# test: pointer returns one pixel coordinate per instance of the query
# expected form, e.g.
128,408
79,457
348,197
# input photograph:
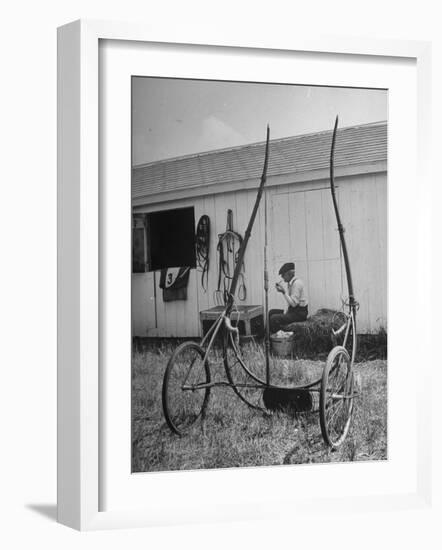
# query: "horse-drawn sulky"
188,379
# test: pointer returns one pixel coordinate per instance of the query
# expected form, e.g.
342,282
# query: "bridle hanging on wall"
202,244
228,247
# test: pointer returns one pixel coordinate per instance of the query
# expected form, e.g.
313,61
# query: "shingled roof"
355,145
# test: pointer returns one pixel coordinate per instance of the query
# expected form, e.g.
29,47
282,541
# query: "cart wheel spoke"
184,400
336,398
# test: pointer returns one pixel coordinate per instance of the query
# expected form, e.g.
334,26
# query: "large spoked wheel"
336,397
185,390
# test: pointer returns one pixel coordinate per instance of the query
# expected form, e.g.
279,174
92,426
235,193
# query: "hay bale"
313,336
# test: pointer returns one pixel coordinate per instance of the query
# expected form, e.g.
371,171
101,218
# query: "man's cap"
286,267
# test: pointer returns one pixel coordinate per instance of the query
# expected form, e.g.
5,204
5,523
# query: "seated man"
295,296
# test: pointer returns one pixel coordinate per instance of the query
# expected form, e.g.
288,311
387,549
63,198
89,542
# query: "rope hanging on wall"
202,243
228,247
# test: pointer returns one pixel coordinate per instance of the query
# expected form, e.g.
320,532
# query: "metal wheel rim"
338,410
184,407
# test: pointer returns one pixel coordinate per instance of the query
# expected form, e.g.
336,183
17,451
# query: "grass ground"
233,435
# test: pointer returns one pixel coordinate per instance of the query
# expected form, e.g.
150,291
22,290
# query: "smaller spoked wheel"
185,387
336,397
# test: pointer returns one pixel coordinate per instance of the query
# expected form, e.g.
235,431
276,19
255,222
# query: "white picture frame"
80,295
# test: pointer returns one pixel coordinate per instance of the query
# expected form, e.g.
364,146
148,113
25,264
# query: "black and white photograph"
221,275
259,274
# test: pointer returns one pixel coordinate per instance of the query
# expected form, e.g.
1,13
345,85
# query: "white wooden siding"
302,228
304,231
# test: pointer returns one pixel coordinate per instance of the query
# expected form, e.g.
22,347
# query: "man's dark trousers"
278,319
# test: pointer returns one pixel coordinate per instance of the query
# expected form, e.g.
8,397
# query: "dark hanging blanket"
173,281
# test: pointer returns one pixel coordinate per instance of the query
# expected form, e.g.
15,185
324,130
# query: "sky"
176,117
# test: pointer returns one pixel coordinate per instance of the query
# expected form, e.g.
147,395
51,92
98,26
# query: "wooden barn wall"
302,228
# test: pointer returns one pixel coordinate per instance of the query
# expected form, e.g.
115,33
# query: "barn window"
171,238
139,243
